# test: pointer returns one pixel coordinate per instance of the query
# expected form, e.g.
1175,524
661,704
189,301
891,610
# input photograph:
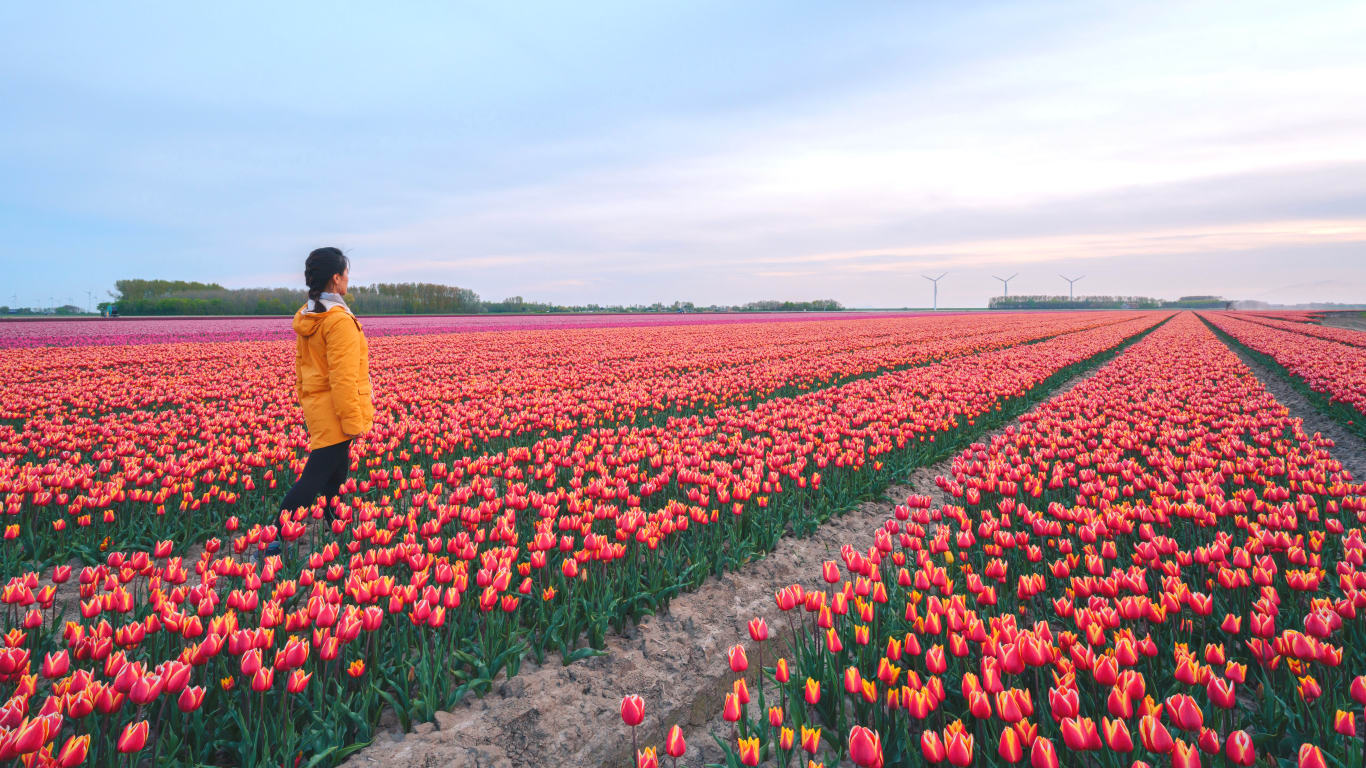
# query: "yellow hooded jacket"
332,364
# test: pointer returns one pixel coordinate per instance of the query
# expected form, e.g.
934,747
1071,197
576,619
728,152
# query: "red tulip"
758,630
749,751
1010,705
1063,704
934,660
1009,748
646,758
1221,693
1117,735
811,739
731,711
853,682
133,738
1185,755
1079,734
1119,703
176,677
1310,756
30,736
738,662
295,654
190,699
1184,712
145,689
742,690
1042,754
1240,749
979,705
1154,735
632,710
263,679
1358,689
74,751
1345,723
813,691
959,748
785,599
297,681
865,747
674,744
56,664
1106,670
251,661
931,746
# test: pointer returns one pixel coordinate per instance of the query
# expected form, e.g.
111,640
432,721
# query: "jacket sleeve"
343,372
298,376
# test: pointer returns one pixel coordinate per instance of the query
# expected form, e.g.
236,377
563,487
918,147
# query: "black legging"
324,472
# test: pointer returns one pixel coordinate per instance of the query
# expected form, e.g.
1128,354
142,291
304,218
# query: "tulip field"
1331,362
1157,566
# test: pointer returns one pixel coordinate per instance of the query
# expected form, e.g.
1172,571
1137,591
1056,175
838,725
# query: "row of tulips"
415,599
1333,372
1287,316
1157,567
103,446
123,331
1348,336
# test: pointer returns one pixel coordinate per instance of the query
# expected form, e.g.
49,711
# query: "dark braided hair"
319,269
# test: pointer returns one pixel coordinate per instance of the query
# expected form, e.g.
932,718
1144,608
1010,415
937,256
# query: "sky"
713,152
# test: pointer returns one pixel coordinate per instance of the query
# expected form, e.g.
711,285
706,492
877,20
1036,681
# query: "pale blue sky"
703,151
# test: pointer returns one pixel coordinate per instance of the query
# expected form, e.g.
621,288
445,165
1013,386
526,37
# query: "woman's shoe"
271,549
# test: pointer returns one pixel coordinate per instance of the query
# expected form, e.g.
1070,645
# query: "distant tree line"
412,299
1106,302
65,309
179,297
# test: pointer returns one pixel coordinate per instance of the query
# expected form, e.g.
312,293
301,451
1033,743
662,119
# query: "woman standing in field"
332,364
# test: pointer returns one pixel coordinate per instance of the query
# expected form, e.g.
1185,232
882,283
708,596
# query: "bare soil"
570,716
1353,320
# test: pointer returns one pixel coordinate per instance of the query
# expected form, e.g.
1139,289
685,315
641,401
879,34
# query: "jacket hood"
307,323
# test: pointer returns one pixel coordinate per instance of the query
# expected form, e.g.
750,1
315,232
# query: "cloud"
1231,238
1150,137
1186,134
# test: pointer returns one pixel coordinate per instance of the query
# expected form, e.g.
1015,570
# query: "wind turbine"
1071,282
935,280
1005,283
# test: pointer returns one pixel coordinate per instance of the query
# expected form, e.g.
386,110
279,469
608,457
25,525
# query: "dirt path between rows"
1348,448
569,716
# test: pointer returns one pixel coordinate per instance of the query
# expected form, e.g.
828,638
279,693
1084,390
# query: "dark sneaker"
272,548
